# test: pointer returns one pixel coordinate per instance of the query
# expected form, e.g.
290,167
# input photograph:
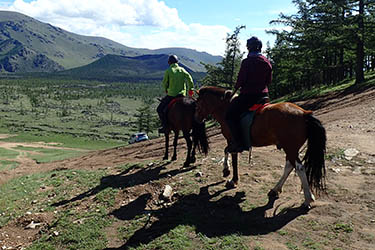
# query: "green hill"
123,68
28,45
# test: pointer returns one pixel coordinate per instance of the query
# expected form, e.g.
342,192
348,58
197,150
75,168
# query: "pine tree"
225,72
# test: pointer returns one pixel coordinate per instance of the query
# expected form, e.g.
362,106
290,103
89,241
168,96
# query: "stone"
350,153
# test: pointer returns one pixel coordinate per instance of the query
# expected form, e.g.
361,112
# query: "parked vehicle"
137,137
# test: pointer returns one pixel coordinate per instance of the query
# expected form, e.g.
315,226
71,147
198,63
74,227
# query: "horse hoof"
186,165
174,158
305,207
192,160
165,158
226,173
230,184
273,194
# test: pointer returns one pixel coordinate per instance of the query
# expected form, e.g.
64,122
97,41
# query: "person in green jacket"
177,82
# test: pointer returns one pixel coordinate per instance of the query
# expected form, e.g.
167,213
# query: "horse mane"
216,91
212,90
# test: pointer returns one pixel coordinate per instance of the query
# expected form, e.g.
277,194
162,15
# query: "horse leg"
309,197
234,182
166,136
174,157
189,146
192,158
274,193
226,171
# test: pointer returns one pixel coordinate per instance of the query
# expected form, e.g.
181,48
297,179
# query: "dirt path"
26,164
349,119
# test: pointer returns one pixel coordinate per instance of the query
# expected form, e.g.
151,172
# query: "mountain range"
28,45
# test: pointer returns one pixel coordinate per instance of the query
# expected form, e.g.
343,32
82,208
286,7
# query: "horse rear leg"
274,193
166,136
192,158
189,146
309,197
174,157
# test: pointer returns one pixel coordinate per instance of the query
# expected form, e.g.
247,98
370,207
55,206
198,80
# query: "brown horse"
283,124
181,118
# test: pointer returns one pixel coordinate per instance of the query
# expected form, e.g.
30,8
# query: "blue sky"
197,24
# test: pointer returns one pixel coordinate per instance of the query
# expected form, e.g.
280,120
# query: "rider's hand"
191,92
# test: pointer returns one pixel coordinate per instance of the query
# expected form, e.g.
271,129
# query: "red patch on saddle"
258,107
173,102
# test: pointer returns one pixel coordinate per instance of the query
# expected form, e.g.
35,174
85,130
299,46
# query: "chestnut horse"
181,117
283,124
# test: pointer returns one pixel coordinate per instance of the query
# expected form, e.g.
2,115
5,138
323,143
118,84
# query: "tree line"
328,41
325,42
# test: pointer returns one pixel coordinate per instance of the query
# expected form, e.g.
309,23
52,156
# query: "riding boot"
236,142
163,119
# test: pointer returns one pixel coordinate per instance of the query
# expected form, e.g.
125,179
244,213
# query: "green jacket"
177,81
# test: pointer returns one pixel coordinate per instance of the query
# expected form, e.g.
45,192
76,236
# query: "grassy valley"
81,110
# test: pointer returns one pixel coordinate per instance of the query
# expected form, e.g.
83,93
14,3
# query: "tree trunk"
360,54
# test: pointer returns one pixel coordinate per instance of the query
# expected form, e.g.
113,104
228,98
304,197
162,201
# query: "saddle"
246,120
173,102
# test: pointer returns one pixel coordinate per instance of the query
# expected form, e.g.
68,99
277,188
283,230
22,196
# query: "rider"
253,78
177,82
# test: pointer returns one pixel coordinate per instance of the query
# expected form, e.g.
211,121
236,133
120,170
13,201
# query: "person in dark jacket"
253,78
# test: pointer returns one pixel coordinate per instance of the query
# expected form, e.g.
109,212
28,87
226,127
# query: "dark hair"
173,59
254,44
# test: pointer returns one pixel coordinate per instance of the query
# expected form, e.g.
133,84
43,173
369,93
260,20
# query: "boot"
236,144
163,119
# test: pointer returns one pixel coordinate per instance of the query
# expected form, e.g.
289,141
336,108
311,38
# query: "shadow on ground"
211,218
125,180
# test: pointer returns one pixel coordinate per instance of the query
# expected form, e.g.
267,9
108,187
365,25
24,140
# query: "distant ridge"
28,45
124,68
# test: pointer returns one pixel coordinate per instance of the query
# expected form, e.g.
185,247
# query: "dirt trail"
349,119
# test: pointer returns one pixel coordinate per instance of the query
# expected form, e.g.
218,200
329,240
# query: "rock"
350,153
336,170
33,225
167,193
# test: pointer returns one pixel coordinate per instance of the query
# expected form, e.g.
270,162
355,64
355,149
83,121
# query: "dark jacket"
255,74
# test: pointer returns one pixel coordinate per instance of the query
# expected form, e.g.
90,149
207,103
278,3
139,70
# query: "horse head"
200,111
211,101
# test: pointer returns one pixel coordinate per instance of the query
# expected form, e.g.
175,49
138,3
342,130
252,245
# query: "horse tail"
314,157
200,136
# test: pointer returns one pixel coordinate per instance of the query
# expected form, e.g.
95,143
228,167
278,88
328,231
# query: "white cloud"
135,23
196,36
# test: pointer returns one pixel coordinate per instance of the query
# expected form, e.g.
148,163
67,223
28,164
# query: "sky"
196,24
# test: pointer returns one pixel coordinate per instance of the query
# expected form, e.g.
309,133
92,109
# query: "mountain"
124,68
28,45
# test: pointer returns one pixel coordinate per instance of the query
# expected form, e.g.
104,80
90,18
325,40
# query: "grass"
49,154
346,85
8,153
63,140
8,165
343,227
72,228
